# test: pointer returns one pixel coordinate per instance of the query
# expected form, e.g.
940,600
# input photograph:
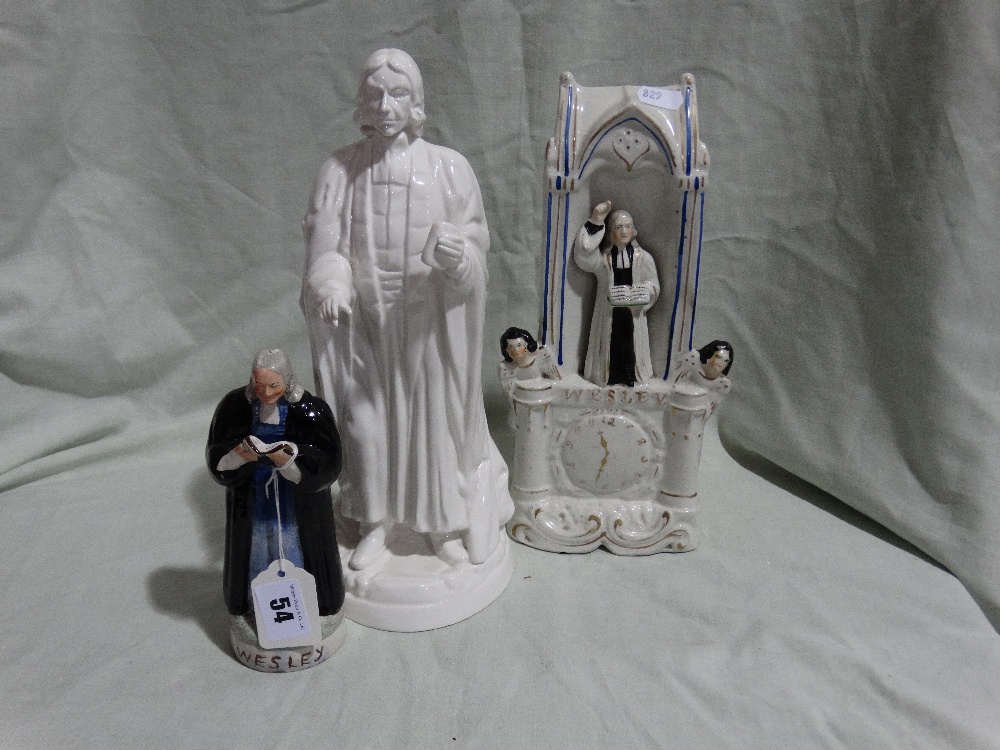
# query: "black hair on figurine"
706,352
518,333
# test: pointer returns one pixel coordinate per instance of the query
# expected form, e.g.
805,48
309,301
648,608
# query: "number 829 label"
662,98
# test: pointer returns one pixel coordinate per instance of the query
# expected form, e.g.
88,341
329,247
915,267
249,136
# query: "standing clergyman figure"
394,294
627,286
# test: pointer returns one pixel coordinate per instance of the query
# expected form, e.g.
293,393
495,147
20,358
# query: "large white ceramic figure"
394,293
608,454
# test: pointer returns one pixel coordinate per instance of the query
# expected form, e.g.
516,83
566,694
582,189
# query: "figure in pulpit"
627,286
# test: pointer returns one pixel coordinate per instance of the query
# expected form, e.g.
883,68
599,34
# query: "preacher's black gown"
310,425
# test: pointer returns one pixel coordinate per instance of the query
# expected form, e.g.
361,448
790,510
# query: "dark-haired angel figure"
707,368
524,359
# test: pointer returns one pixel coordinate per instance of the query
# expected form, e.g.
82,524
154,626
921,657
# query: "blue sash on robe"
264,537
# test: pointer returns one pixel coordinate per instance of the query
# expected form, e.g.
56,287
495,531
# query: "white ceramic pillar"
685,426
532,476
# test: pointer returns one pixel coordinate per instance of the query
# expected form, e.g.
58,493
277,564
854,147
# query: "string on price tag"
662,98
285,600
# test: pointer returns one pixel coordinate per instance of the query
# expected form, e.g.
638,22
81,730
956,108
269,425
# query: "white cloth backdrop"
156,159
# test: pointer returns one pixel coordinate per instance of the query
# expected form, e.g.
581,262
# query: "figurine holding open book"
627,286
276,449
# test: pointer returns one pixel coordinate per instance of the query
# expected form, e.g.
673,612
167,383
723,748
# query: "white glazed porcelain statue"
394,293
608,454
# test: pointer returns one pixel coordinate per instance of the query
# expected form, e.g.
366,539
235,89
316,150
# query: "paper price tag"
286,607
662,98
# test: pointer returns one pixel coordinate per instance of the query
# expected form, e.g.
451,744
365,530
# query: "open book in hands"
264,450
233,460
629,296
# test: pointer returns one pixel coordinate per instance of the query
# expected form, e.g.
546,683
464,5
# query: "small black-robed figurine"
276,449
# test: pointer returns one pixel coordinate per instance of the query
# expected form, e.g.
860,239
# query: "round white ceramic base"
411,589
248,651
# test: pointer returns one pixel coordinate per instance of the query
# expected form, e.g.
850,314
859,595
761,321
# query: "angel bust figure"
706,370
394,295
524,359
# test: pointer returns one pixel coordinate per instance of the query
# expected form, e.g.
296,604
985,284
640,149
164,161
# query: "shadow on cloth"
192,594
802,489
195,593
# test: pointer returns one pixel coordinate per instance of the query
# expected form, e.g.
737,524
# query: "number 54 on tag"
286,607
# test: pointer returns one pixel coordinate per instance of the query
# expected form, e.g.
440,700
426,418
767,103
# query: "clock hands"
604,460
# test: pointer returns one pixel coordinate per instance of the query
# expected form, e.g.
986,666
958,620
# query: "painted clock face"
607,453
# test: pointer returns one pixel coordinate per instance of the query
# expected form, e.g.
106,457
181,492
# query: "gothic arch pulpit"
616,465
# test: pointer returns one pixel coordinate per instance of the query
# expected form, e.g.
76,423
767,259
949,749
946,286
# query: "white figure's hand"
600,212
331,308
449,251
